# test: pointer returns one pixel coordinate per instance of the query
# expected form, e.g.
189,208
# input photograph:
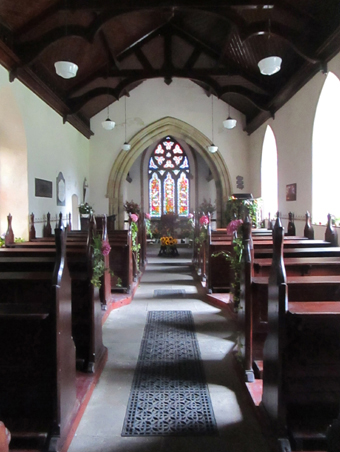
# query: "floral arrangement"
100,249
134,237
203,221
168,241
235,206
85,209
206,207
131,207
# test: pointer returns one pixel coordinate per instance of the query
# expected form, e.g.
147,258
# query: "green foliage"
235,208
148,227
99,264
235,259
135,244
16,240
203,234
85,208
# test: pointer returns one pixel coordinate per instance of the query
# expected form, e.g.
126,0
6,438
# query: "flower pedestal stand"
168,251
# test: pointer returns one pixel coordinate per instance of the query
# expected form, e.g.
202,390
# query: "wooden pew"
37,352
253,310
86,302
219,274
301,367
121,261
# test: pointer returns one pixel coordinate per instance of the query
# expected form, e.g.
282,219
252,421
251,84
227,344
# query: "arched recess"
156,131
13,165
269,175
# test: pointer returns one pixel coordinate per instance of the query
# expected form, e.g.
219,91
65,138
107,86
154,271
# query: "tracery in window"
168,179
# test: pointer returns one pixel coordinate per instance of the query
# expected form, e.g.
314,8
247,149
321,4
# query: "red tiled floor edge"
222,300
120,299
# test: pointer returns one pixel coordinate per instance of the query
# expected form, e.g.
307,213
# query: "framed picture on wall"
43,188
291,192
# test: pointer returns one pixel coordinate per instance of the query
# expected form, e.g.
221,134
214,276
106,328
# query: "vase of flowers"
85,210
168,246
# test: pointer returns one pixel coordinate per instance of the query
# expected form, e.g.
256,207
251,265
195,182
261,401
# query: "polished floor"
101,426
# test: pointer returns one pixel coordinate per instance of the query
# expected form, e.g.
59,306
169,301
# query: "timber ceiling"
119,44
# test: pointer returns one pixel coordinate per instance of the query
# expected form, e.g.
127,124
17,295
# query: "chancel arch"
151,134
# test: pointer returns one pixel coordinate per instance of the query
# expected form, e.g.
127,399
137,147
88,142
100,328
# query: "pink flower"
204,220
147,216
106,248
134,217
233,226
191,215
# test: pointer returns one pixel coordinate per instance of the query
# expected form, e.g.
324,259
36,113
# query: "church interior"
188,152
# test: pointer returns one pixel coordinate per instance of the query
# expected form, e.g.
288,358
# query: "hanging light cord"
212,118
125,119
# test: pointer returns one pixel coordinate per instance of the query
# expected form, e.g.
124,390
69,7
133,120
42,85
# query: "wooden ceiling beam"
143,60
262,30
129,5
39,18
113,61
77,103
196,53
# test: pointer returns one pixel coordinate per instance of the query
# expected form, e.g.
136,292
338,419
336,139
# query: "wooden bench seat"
37,352
301,355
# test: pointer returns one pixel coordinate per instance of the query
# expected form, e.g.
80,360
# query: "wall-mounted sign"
43,188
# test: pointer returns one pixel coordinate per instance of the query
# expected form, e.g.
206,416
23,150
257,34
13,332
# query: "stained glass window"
168,179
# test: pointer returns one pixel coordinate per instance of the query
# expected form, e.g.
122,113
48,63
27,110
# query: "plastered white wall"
293,130
51,147
150,102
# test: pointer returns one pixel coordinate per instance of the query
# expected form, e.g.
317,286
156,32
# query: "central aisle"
101,426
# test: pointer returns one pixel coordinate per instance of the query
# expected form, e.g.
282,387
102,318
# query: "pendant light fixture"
271,64
66,69
126,146
230,122
212,148
108,124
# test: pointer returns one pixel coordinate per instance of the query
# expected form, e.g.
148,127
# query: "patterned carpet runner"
169,394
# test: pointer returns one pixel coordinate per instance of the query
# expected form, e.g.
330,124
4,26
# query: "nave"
101,425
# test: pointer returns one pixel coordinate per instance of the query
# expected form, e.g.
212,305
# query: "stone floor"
101,425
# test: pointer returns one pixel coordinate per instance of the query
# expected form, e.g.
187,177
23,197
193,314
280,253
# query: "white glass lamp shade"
126,147
270,65
108,124
66,69
229,123
212,149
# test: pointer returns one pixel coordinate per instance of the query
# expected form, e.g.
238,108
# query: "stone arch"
154,132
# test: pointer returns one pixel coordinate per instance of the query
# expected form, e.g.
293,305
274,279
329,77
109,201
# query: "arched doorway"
152,133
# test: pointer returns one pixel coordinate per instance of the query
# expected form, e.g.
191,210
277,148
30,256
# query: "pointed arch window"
169,183
269,177
326,152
